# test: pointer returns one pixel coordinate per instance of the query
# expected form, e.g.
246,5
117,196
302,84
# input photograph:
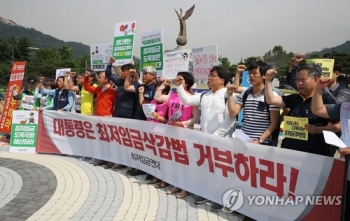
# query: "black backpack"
276,132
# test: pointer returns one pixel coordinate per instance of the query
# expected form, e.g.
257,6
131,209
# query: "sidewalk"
51,187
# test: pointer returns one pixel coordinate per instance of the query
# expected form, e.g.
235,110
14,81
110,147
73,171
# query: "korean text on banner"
175,62
201,160
100,55
294,128
204,58
152,49
16,79
24,131
62,72
326,65
123,43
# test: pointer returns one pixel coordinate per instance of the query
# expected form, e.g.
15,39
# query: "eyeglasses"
212,76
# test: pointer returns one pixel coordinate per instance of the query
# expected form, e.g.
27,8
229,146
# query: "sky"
241,28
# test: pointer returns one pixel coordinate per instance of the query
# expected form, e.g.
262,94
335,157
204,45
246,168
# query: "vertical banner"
61,72
123,43
24,131
100,55
326,65
16,79
204,58
152,49
175,62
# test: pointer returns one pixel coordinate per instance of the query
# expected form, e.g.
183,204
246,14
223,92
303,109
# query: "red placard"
16,78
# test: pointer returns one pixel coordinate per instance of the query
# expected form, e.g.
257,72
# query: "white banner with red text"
206,165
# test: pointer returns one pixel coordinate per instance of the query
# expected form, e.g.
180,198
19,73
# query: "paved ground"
51,187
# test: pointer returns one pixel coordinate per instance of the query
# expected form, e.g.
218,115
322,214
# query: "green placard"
122,47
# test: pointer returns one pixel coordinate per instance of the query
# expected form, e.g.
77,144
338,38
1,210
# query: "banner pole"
345,211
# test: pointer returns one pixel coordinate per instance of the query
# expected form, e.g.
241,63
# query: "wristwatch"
260,140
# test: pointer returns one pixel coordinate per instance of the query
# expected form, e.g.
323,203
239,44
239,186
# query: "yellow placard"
294,128
326,65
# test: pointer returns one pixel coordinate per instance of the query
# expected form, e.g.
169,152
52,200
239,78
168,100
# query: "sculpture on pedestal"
182,38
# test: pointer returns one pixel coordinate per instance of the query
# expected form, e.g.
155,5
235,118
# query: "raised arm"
127,83
117,81
193,100
87,85
141,97
269,96
317,106
239,71
233,108
65,81
158,96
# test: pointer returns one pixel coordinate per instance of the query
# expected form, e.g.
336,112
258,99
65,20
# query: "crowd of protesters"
121,95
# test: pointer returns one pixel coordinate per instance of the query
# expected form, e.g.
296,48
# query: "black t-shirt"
148,95
302,108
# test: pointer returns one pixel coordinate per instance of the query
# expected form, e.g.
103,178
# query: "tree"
249,60
227,64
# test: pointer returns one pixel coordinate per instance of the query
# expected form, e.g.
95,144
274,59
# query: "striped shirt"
255,114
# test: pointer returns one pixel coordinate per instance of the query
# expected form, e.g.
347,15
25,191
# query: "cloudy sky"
241,28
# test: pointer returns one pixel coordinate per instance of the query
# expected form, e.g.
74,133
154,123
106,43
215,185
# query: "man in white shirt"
215,118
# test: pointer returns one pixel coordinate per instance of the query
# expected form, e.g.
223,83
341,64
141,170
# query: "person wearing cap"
45,100
148,79
86,98
26,97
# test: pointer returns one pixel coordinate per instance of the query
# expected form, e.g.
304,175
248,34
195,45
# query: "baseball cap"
47,83
150,69
31,80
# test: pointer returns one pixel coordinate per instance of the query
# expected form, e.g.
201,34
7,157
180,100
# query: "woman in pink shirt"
160,114
189,116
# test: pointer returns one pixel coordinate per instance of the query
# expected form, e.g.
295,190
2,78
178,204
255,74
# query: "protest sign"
123,43
294,128
62,72
204,58
16,79
326,65
100,55
24,131
152,49
148,109
175,62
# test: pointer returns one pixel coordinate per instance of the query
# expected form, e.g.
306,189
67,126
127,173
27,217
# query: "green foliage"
226,64
40,40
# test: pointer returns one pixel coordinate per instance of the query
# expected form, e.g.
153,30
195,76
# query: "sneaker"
149,177
93,160
84,158
137,172
110,165
200,200
226,210
216,207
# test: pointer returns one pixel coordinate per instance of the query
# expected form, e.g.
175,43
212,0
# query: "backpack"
276,132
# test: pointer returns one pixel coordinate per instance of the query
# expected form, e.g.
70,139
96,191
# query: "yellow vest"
87,101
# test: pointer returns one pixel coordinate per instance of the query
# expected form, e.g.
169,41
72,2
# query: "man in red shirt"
105,99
